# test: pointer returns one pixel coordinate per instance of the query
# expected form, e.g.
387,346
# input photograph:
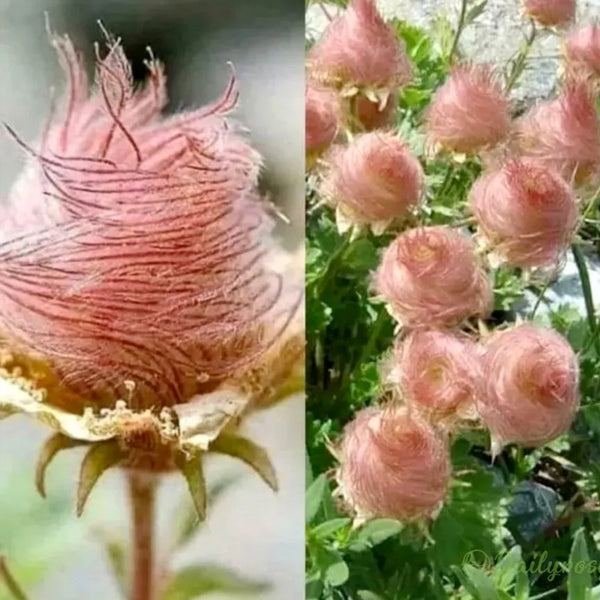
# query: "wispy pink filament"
133,243
359,48
322,117
393,465
530,386
430,277
527,213
582,49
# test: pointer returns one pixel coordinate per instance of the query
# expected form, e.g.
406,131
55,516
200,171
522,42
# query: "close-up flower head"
393,464
582,49
469,112
529,387
431,277
525,212
322,118
550,13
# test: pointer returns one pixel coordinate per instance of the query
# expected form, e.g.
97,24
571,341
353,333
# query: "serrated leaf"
100,457
52,446
191,468
314,497
198,580
247,451
579,580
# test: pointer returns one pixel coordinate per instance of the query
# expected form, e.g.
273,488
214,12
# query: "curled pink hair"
430,277
550,13
359,49
526,212
564,134
375,178
133,244
322,117
582,49
469,112
438,373
393,465
529,387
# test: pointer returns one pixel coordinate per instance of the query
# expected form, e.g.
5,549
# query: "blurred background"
257,535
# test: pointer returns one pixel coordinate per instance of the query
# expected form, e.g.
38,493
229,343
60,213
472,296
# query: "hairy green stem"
586,286
519,65
142,491
460,26
11,583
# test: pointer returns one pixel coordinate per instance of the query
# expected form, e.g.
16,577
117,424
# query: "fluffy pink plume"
526,212
359,49
530,386
469,112
438,373
375,178
393,465
322,117
550,13
133,243
564,134
431,277
582,49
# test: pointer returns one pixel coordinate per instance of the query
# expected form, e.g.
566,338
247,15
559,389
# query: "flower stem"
142,495
459,27
519,64
584,277
11,583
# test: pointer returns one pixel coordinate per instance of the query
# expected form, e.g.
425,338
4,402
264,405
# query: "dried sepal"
191,468
247,451
50,449
100,457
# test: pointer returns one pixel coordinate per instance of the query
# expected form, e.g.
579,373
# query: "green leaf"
328,528
315,495
100,457
486,590
334,570
191,468
579,580
522,585
374,532
506,570
50,449
368,595
475,11
314,588
247,451
198,580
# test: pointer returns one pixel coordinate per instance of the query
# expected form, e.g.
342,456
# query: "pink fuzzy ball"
582,49
430,277
393,465
550,13
322,118
526,212
530,386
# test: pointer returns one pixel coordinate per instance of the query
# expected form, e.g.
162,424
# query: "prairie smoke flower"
438,373
359,50
374,180
526,212
322,118
430,277
393,465
133,277
469,112
563,134
529,386
550,13
582,49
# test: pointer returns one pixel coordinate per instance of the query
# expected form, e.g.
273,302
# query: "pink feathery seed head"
322,118
470,112
431,277
135,245
393,465
438,373
564,134
582,49
550,13
359,49
375,178
529,387
526,212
